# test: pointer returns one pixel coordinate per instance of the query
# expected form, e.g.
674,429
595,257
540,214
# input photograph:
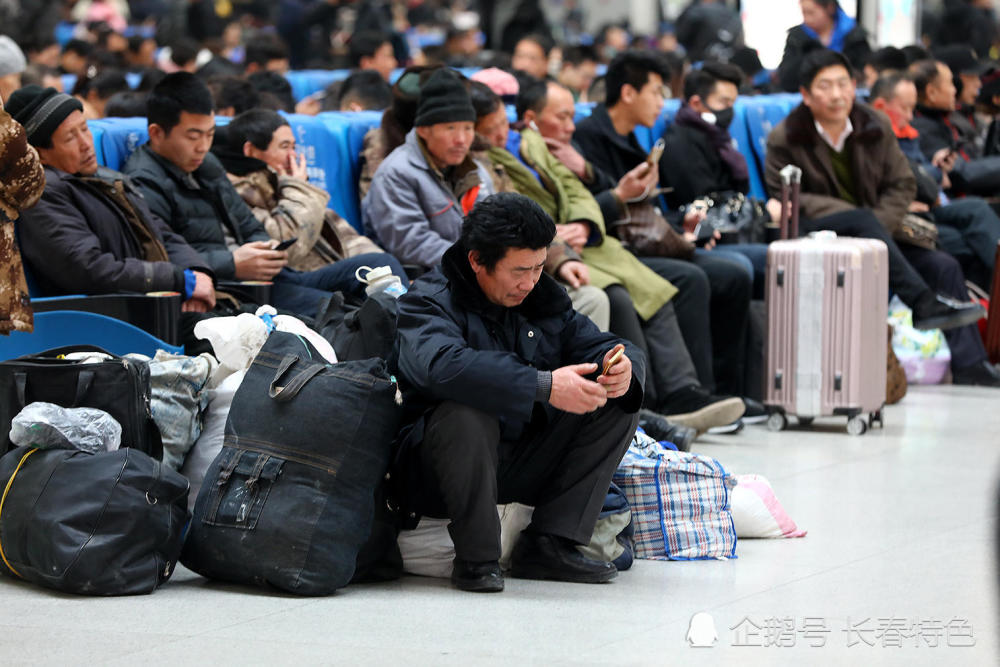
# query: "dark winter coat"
77,240
197,205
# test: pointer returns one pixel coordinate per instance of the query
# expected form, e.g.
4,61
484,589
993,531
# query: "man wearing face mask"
703,158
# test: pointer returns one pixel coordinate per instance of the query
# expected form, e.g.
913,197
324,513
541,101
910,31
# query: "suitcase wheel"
876,418
857,425
777,421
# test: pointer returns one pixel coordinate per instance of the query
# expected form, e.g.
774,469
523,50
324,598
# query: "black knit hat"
41,111
444,99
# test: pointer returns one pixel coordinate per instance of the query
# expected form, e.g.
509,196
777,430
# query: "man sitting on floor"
509,402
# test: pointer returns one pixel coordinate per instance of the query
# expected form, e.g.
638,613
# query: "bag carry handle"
294,386
3,499
83,382
69,349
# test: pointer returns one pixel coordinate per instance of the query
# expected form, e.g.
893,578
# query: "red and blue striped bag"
680,503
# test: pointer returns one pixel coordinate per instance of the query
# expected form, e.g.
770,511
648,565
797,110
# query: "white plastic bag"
924,355
49,426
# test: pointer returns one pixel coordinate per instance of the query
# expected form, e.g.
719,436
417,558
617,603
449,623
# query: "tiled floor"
900,546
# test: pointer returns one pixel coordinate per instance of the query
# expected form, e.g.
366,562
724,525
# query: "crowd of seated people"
498,206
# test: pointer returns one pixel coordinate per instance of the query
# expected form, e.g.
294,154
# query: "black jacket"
197,206
693,167
77,240
856,50
455,345
614,155
945,129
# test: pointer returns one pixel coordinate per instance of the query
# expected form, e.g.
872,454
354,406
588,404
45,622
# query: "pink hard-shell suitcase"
827,302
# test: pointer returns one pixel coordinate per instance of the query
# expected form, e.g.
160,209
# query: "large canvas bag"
290,499
680,504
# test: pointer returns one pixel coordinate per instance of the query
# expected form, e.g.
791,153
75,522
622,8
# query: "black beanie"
444,99
41,111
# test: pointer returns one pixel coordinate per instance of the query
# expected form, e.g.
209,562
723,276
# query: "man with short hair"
856,180
635,86
266,53
531,55
187,186
422,190
12,65
372,50
578,70
968,229
364,90
92,232
512,397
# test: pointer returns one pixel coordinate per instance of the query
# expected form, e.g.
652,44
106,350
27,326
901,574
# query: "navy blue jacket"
456,345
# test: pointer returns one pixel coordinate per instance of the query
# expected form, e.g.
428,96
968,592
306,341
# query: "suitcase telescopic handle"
791,180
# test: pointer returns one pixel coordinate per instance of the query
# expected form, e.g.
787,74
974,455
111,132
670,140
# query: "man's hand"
619,376
773,207
944,159
257,260
569,156
574,273
637,183
571,392
918,207
309,106
203,298
296,167
575,234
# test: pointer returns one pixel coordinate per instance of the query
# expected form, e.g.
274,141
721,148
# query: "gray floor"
900,546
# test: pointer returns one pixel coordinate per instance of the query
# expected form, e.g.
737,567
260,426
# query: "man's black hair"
544,41
885,86
924,73
127,104
702,82
265,48
888,58
79,47
150,77
914,53
578,54
256,126
232,91
276,85
177,93
366,88
484,100
533,95
135,42
184,51
504,221
819,59
364,44
36,43
105,82
632,68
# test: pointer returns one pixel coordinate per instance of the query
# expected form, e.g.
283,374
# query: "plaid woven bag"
680,504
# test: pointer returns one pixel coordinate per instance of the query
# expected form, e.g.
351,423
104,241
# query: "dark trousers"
943,273
302,292
564,471
660,339
904,280
969,230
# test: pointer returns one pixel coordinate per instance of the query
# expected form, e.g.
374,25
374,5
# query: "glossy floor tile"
898,568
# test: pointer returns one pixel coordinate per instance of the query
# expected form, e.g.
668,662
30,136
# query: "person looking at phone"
506,401
186,185
259,154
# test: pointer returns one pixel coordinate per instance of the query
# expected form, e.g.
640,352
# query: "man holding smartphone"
512,397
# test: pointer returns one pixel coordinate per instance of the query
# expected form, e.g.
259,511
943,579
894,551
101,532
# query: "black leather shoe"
983,374
936,311
483,577
542,556
657,427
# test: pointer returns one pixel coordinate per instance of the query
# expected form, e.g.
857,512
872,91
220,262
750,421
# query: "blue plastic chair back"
58,328
305,82
582,110
119,138
739,132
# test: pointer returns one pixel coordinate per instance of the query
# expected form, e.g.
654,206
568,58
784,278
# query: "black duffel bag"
118,386
289,501
95,524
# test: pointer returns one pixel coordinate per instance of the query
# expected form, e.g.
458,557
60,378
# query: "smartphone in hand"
286,244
